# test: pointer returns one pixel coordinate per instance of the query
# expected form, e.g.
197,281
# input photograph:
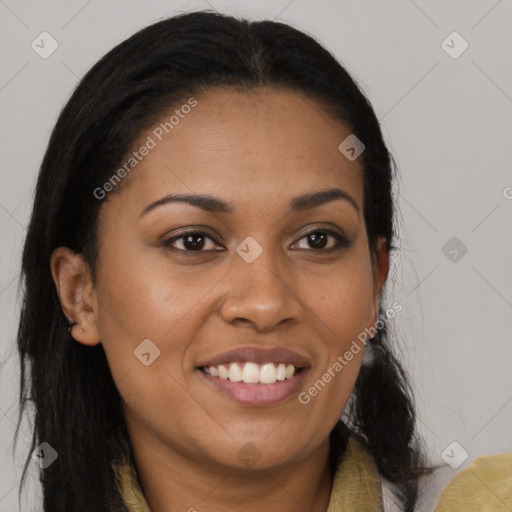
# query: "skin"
257,150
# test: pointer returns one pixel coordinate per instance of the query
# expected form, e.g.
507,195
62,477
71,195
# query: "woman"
204,274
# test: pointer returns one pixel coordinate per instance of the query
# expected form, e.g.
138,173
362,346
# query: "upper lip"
259,356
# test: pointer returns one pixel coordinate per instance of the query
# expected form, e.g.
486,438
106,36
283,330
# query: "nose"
261,295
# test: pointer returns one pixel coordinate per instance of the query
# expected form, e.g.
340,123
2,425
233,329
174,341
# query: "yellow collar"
356,486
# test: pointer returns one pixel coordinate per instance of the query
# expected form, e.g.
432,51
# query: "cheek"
141,300
142,297
137,303
344,304
343,313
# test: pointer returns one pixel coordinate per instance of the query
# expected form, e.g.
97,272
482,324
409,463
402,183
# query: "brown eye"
192,241
319,240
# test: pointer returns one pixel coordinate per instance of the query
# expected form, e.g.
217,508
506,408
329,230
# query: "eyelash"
341,241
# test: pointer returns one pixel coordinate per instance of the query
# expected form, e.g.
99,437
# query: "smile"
256,392
252,373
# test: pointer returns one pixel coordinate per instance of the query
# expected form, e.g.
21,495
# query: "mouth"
256,376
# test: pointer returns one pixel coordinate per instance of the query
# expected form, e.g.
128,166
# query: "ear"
73,280
380,268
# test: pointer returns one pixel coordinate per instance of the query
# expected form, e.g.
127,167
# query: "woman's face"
253,279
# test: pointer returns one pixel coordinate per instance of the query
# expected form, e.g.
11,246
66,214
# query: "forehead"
247,147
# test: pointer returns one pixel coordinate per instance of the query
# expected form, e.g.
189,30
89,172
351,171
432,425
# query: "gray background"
448,124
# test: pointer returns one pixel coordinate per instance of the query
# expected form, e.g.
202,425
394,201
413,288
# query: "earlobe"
72,278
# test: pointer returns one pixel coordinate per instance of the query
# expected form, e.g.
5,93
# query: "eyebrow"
212,204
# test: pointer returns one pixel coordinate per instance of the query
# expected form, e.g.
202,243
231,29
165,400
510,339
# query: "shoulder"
485,486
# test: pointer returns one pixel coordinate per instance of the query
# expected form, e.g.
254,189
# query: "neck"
171,481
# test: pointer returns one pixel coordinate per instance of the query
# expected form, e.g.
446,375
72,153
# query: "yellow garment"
356,485
485,486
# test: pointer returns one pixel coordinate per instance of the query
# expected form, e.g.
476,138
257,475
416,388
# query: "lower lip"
257,394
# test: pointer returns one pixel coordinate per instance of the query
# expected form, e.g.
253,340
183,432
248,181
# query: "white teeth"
252,373
223,372
268,373
235,372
